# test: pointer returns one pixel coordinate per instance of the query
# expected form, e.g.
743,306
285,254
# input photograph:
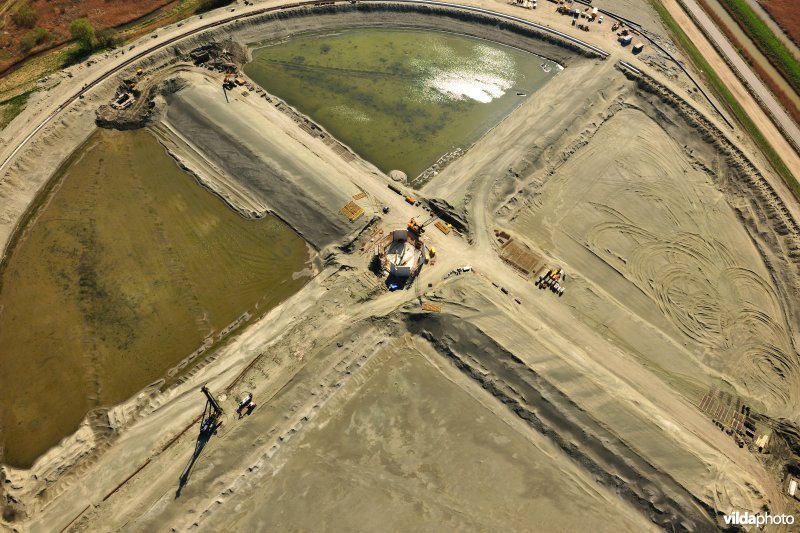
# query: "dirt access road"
85,80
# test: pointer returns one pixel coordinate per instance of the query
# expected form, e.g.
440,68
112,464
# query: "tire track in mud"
748,182
740,319
550,412
730,311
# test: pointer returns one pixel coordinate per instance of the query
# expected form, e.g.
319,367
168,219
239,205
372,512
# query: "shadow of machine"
209,423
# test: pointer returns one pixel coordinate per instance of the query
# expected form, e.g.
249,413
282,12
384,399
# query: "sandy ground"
688,268
621,181
61,130
242,145
410,447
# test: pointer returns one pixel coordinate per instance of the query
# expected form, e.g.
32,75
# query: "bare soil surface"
240,144
406,445
682,260
687,267
55,17
786,15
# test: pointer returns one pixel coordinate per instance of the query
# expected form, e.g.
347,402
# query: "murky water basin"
400,98
123,272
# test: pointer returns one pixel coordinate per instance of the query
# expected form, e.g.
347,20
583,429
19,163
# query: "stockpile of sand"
271,168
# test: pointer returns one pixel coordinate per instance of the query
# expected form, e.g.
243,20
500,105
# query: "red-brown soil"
786,14
55,16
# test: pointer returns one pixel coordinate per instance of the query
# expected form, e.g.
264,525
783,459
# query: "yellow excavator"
418,229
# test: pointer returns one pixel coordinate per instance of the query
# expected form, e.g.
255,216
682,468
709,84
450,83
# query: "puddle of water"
124,272
400,98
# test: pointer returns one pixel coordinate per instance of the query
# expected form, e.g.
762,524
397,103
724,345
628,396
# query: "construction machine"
212,414
419,229
246,406
552,279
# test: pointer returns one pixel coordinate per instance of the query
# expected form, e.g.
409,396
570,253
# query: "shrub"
34,38
208,5
107,39
83,32
25,16
89,40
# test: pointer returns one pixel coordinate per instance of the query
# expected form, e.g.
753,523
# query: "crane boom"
428,221
417,228
212,401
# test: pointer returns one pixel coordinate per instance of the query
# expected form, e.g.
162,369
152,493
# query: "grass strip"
766,41
757,66
719,87
12,107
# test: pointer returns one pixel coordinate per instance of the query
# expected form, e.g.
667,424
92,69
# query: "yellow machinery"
417,228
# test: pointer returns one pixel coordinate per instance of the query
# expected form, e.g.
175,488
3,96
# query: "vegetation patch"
766,41
786,15
757,67
34,38
208,5
12,107
56,17
25,16
89,40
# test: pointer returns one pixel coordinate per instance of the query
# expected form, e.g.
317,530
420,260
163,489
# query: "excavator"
418,229
212,414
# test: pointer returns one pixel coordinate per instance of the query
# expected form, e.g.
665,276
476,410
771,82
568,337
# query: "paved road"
745,72
760,117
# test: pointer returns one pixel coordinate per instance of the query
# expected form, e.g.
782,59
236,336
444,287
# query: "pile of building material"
352,211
